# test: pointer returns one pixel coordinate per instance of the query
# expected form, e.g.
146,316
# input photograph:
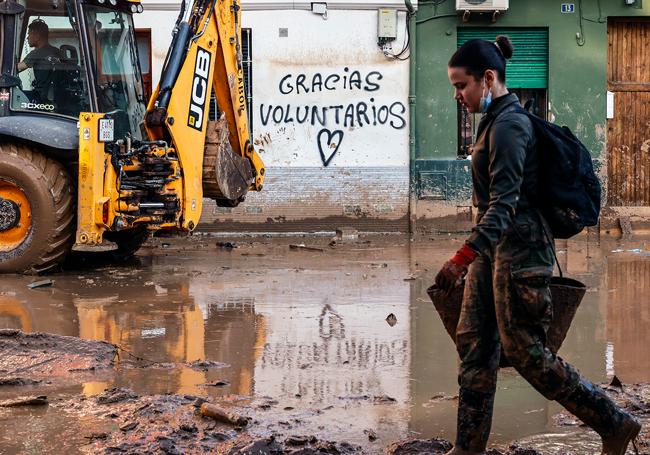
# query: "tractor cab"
70,56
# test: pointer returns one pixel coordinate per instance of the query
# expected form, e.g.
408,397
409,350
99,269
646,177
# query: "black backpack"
570,192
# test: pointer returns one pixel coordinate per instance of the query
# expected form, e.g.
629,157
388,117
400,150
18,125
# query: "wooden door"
628,132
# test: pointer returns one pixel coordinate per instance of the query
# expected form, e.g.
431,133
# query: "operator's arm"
28,62
509,138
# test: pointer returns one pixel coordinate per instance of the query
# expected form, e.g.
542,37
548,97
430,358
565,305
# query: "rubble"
24,401
40,284
433,446
115,395
17,381
391,319
219,383
223,415
302,246
346,234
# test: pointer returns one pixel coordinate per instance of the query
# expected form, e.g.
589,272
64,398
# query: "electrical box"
387,25
482,5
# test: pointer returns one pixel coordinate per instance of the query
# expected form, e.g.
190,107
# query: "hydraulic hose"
177,56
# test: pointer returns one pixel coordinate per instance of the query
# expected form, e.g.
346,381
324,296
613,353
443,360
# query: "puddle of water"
309,330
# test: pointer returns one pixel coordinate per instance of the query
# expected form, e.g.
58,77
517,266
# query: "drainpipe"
412,99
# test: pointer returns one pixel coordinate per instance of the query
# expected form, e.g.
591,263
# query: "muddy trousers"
507,307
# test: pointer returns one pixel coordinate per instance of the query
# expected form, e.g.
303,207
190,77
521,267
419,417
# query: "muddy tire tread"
54,176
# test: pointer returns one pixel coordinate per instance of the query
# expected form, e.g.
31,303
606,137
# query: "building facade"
581,64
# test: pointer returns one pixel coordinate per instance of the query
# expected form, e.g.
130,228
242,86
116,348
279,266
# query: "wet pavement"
308,329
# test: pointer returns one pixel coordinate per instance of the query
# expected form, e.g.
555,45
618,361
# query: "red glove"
455,268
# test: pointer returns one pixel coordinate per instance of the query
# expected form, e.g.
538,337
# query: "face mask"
485,101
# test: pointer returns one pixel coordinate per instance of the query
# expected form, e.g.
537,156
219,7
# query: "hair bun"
505,46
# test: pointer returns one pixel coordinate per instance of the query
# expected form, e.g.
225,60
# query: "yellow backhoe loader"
85,165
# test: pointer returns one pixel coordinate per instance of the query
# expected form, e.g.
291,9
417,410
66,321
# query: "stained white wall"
325,94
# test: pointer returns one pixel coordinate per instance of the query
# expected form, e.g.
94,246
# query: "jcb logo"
199,89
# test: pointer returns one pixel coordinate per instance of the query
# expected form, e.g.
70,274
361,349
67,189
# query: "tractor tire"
37,210
128,242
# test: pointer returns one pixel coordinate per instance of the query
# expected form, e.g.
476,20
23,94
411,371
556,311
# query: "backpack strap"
549,240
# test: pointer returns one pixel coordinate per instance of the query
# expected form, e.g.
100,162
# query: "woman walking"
509,262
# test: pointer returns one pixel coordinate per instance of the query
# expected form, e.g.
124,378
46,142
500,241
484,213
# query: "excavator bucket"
226,175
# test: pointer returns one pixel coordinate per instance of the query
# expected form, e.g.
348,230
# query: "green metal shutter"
528,67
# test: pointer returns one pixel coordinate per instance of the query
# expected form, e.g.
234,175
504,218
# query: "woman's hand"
455,268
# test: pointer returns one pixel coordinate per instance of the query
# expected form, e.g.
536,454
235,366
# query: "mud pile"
32,358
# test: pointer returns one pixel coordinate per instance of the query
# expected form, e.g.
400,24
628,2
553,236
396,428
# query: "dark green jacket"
504,171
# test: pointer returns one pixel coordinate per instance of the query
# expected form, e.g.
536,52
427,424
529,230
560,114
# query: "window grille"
247,63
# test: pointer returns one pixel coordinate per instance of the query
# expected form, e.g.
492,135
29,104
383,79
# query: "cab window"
49,65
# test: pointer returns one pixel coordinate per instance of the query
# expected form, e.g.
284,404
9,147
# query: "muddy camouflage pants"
507,305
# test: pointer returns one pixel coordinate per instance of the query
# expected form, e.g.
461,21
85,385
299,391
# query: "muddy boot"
617,443
474,422
591,405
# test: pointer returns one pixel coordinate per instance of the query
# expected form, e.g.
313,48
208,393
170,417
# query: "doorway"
628,123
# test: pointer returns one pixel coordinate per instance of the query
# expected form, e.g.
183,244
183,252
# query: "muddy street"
299,340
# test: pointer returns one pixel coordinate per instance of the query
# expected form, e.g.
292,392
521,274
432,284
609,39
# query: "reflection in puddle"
310,331
627,317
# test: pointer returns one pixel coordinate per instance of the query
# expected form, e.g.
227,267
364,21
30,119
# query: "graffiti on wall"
358,109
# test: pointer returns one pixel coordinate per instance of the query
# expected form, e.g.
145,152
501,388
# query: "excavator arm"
160,182
206,55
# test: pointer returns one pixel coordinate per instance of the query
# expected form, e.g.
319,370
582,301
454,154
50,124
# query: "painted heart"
328,144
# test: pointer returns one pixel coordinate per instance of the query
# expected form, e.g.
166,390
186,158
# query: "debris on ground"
129,426
126,422
115,395
222,415
616,382
219,383
262,446
18,381
205,365
372,435
227,245
40,400
438,446
300,440
437,398
40,284
302,246
384,399
419,446
346,234
93,436
266,403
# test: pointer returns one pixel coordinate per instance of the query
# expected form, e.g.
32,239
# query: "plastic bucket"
566,294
